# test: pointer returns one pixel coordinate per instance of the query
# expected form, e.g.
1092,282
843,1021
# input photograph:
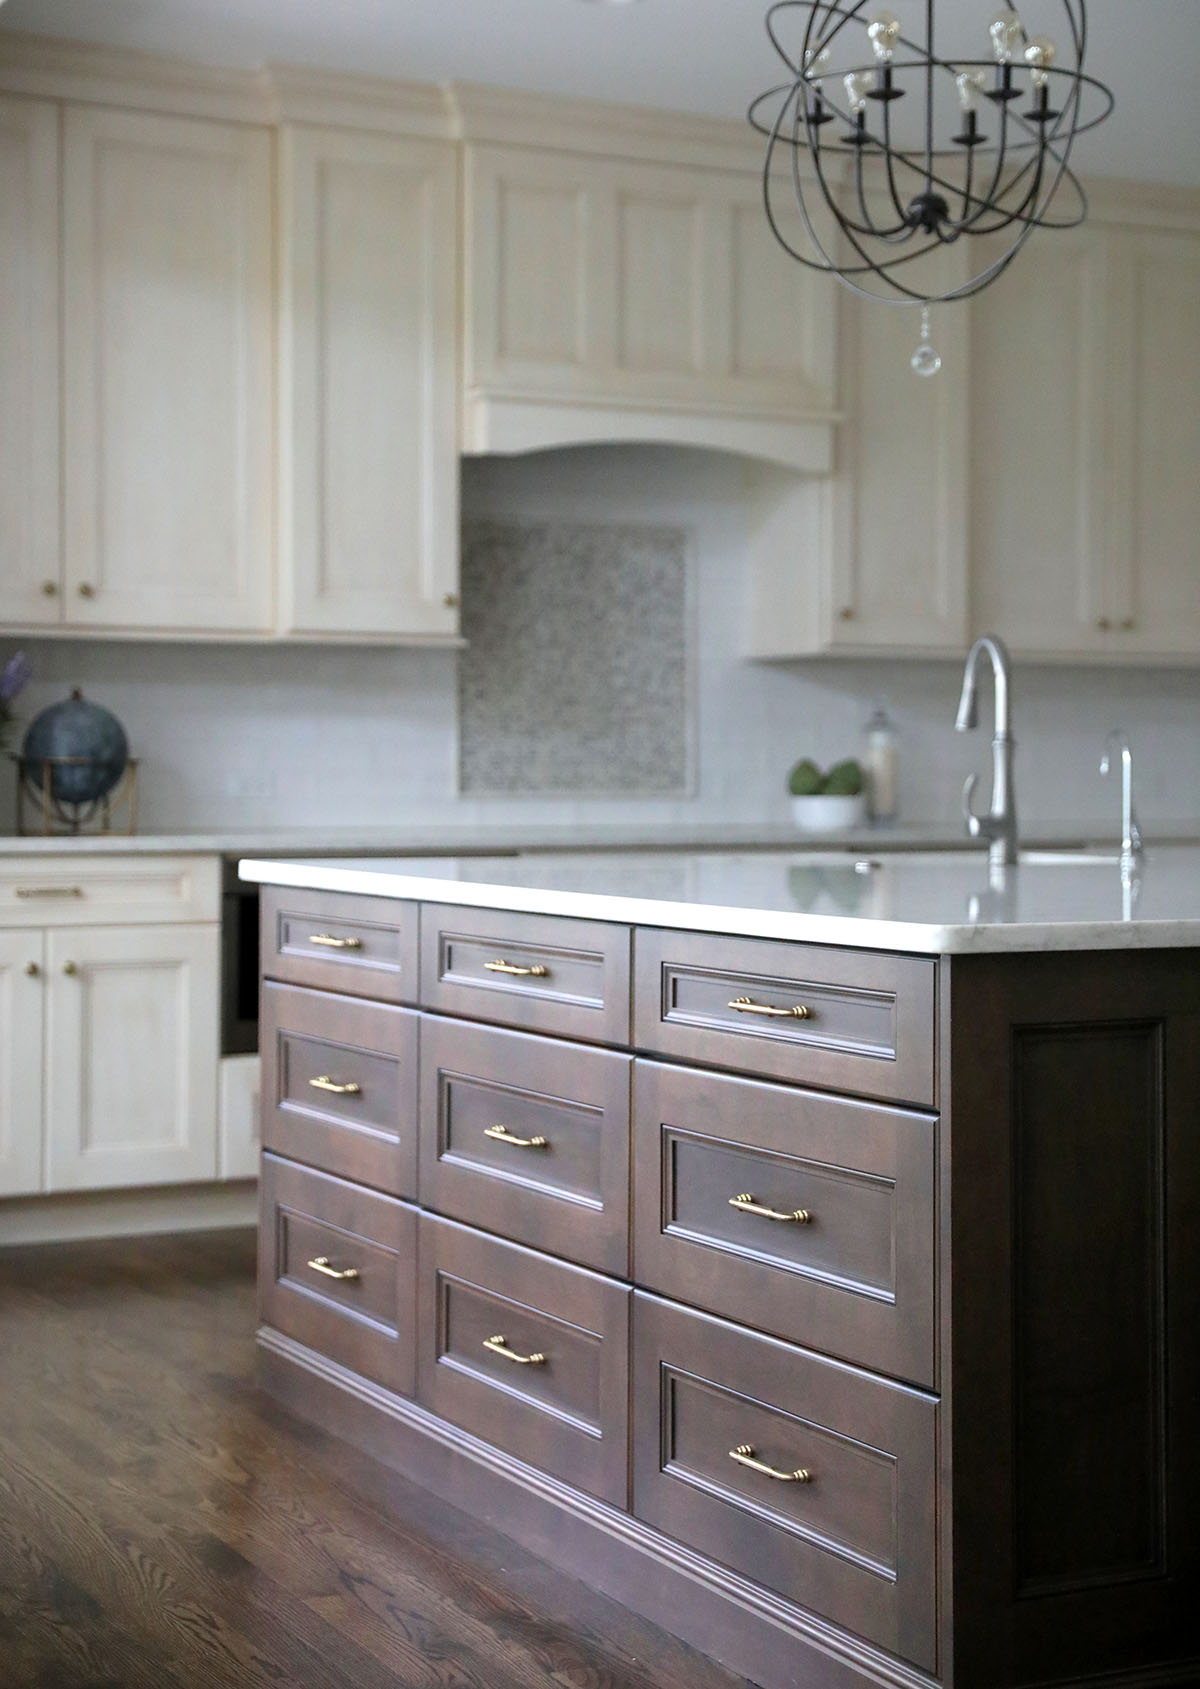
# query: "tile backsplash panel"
576,679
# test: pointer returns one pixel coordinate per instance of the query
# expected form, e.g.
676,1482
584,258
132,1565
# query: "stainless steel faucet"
999,825
1131,835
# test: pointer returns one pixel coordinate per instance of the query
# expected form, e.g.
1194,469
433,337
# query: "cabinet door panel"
22,997
131,1055
30,554
1038,448
167,278
1156,600
369,499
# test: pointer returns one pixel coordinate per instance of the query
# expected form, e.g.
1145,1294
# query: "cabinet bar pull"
499,1346
747,1006
502,1135
49,891
332,943
744,1455
321,1264
745,1204
500,966
324,1083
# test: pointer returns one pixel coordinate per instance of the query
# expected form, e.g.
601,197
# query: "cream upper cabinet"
167,273
875,560
131,1055
1041,446
30,546
368,384
1154,560
1085,501
608,298
21,1009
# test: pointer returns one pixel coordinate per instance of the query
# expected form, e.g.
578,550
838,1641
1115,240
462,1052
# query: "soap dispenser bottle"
882,764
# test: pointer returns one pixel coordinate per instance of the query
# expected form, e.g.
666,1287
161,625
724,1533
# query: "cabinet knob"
1103,623
846,613
70,969
1128,625
86,589
32,969
451,600
49,589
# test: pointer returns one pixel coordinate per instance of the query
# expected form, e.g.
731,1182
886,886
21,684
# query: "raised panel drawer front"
806,1476
336,941
102,890
527,1137
339,1085
527,1353
543,972
806,1215
337,1271
851,1020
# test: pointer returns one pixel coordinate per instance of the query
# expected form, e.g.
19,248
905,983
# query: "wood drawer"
339,1085
563,1186
857,1541
365,946
565,1412
367,1322
856,1278
542,972
867,1023
105,890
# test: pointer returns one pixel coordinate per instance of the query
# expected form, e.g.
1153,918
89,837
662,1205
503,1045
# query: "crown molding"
511,117
300,94
49,68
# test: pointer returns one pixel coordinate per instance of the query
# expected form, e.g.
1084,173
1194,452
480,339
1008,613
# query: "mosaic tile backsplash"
576,677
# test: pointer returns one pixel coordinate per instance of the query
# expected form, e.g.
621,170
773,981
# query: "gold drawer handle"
747,1006
324,1083
499,1346
332,943
321,1264
744,1455
745,1204
500,966
502,1135
49,891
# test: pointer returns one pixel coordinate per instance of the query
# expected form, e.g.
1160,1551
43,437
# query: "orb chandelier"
887,143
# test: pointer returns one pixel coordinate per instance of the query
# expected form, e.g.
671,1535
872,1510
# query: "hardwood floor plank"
163,1525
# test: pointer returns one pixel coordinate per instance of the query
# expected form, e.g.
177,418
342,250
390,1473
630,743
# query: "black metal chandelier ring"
860,219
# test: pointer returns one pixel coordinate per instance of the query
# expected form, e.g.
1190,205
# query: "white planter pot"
828,814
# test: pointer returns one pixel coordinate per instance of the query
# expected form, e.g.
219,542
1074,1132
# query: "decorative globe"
76,728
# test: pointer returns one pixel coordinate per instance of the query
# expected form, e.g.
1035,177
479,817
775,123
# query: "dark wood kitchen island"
802,1252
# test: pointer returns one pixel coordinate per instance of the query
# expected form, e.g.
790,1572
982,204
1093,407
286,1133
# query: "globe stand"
41,814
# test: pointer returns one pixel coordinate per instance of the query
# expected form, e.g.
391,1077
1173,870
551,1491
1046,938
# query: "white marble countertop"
929,902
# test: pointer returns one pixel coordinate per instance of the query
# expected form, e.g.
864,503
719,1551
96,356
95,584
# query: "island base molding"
706,1605
735,1622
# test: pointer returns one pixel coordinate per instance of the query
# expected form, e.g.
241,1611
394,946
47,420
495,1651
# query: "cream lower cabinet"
22,1013
131,1056
368,385
109,1022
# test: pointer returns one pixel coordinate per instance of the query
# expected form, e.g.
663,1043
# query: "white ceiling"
693,55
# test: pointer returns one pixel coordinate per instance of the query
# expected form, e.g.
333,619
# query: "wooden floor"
163,1526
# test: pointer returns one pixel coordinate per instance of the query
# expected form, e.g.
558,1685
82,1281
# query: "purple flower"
17,673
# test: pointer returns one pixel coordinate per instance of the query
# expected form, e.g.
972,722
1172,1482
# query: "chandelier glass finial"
887,143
